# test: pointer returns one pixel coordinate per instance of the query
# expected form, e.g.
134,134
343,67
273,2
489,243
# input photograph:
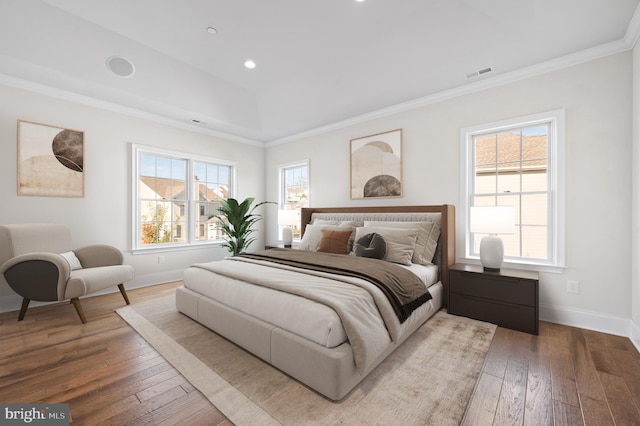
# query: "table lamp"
492,220
288,219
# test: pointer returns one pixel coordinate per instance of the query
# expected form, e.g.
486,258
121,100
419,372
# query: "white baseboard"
14,301
589,320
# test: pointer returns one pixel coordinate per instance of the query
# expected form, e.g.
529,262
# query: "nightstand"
508,297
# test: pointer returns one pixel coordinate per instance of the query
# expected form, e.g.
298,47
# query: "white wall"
635,219
103,215
597,98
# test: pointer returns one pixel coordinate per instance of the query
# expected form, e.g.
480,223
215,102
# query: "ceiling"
318,62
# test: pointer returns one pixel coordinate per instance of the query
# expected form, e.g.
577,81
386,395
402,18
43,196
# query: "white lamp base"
491,252
287,236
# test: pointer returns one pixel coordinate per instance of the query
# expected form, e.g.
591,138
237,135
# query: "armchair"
39,263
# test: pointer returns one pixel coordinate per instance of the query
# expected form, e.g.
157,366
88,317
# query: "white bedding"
303,317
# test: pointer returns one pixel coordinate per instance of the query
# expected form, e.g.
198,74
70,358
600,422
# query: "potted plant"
236,221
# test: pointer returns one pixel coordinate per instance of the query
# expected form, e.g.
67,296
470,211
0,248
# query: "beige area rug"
426,381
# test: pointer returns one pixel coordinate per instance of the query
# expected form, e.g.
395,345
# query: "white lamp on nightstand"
288,219
492,220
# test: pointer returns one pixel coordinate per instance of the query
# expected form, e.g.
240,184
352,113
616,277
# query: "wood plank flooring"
103,369
108,374
563,376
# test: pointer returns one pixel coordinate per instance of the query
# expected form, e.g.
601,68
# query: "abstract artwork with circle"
50,160
376,165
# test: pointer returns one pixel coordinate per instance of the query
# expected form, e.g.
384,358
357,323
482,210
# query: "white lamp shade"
492,220
289,217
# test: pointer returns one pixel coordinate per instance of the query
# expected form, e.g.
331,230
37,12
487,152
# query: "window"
175,196
294,194
518,163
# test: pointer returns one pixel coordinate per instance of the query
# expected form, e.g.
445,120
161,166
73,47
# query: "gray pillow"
371,245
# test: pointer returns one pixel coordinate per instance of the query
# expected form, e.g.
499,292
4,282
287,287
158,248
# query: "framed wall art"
376,165
50,160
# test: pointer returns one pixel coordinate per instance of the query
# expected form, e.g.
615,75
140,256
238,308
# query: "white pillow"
313,234
426,241
74,262
340,223
400,242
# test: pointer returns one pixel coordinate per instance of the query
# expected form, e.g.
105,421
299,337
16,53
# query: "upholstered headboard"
442,214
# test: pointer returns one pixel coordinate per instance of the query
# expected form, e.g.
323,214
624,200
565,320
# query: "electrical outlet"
160,259
573,286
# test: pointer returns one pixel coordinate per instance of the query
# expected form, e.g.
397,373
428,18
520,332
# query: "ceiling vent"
120,66
479,72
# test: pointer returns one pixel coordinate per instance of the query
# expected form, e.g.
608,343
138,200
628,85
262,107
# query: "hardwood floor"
563,376
103,369
108,374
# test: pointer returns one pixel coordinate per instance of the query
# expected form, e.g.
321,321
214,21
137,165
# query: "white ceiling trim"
567,61
66,95
633,30
628,42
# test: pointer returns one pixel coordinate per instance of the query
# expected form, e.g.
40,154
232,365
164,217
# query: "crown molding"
626,43
560,63
633,30
69,96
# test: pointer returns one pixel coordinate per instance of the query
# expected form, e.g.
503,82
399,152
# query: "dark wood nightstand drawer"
504,289
511,315
506,297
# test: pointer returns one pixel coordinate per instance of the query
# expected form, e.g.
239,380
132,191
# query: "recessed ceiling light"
249,64
212,30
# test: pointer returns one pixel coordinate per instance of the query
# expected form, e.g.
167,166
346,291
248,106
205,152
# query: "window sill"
180,247
553,269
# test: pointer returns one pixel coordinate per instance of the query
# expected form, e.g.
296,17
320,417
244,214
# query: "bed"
328,329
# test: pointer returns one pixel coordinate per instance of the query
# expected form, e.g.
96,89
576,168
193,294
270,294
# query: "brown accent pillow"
335,241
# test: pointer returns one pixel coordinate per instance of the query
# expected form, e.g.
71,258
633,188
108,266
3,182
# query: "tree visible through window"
162,197
177,197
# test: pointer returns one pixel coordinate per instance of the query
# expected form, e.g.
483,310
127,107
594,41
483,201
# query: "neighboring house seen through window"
176,196
518,163
294,193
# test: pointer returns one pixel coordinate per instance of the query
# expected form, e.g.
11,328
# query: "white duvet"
368,321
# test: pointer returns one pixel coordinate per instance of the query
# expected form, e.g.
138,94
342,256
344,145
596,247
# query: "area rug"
426,381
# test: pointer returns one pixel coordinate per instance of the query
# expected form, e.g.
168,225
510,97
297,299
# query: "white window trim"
556,169
192,243
281,168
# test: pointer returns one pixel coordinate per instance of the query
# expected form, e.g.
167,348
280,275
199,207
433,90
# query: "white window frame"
281,181
555,186
281,171
191,242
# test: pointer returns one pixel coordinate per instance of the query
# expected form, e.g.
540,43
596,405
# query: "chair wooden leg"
23,309
124,293
76,304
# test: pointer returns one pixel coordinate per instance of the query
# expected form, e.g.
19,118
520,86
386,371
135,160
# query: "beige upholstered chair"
39,263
